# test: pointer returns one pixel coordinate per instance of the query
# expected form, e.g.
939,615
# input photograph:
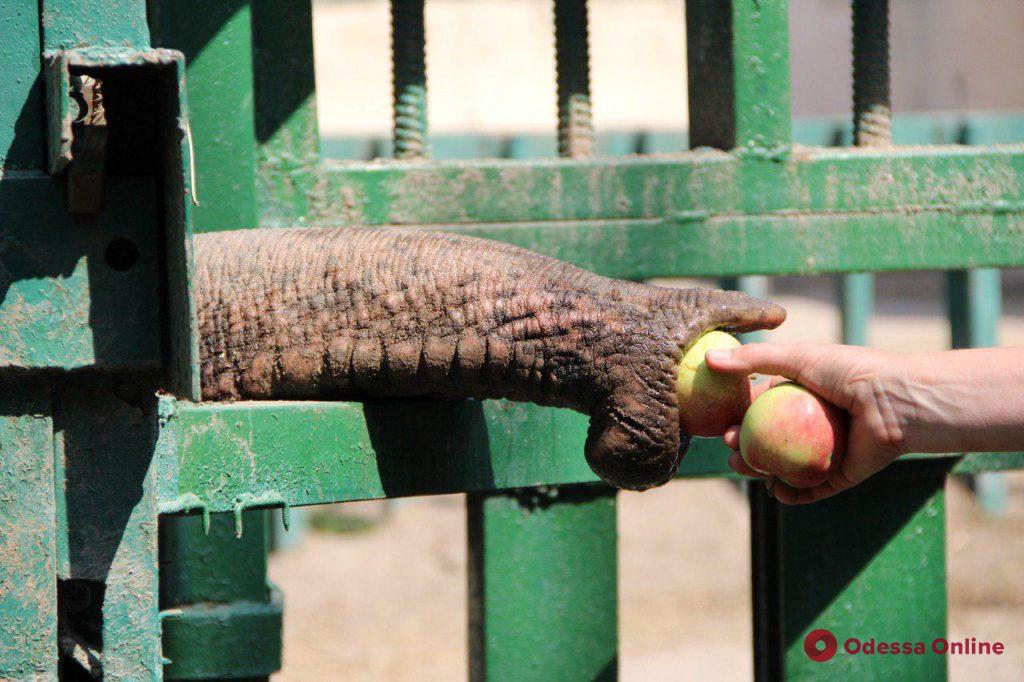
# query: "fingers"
731,438
760,358
790,495
737,464
763,384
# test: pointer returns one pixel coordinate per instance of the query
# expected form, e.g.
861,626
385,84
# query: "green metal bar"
636,218
738,61
216,38
284,91
93,23
28,551
869,563
266,454
409,71
106,511
822,180
543,563
872,127
542,584
857,300
576,137
21,109
207,580
975,304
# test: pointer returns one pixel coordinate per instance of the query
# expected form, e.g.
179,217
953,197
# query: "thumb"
761,358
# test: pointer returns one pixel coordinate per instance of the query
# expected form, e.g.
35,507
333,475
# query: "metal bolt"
572,55
409,73
872,109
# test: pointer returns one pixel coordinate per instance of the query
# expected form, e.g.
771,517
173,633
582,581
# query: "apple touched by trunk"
709,402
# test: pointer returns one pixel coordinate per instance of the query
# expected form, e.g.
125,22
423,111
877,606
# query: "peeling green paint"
28,552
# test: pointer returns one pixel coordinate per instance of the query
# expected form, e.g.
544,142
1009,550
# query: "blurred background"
377,591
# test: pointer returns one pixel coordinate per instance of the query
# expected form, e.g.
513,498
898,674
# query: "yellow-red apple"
794,435
709,402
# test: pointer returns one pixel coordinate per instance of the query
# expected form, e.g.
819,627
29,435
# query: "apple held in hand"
709,402
792,434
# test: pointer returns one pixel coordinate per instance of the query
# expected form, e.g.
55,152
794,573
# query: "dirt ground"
389,602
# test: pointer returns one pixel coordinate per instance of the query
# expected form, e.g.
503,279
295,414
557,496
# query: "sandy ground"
389,603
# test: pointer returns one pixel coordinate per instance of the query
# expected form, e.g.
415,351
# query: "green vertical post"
738,61
856,301
28,531
542,584
21,108
229,625
872,127
287,141
217,570
216,39
739,99
975,303
28,518
284,92
108,589
867,563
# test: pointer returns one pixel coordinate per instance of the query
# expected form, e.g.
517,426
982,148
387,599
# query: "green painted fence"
114,477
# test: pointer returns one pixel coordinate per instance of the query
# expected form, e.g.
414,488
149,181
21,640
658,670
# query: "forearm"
961,401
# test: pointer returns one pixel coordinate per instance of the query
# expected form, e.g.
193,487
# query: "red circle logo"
820,645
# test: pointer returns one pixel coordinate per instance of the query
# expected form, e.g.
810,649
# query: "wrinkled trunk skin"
350,312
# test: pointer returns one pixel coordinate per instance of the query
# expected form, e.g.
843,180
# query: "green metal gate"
108,486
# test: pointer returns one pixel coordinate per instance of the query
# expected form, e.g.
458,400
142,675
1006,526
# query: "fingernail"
718,354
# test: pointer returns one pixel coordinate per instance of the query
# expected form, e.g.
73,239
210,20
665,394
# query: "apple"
709,402
792,434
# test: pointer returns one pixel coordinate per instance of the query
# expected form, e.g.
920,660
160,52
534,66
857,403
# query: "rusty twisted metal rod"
572,56
409,74
872,107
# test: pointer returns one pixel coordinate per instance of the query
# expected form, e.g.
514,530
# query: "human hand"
866,383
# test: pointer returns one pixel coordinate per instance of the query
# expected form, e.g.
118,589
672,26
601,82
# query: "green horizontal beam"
707,213
806,180
223,457
777,244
